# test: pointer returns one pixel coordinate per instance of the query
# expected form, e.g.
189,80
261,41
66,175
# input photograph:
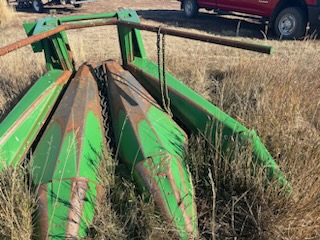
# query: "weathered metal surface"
41,36
87,17
197,114
153,146
200,37
66,160
22,125
133,25
68,214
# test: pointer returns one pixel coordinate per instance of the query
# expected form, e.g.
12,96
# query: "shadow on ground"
219,24
49,9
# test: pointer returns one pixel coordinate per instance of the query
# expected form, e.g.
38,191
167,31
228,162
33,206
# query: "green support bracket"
129,38
56,48
87,17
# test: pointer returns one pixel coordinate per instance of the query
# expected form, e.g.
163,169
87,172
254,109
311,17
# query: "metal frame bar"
132,25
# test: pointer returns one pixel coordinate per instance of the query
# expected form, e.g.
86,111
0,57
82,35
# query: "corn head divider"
60,121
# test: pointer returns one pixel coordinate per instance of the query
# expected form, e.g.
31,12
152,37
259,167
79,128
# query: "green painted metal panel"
42,168
88,209
20,128
167,133
29,29
69,154
197,114
166,151
87,17
179,89
73,141
66,164
55,47
92,147
55,144
122,132
153,146
130,39
58,194
39,26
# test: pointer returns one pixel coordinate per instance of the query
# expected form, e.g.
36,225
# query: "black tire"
290,23
77,5
190,8
37,6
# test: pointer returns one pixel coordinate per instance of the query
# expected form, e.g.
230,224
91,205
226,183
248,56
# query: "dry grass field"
278,96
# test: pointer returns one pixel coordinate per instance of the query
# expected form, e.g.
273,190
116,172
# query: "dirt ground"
164,12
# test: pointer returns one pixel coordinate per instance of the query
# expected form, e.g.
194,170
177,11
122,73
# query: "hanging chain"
159,65
102,86
162,77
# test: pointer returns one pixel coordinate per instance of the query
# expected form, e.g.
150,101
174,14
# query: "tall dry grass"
18,204
278,96
7,13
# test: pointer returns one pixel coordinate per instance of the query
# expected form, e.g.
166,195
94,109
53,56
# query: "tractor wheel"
290,23
37,6
190,8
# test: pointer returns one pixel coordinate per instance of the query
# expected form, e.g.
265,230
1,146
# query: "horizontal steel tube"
200,37
39,37
113,21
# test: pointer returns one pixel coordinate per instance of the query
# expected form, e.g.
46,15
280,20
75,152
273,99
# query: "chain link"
102,85
162,77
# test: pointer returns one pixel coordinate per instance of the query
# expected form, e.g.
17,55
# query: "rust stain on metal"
125,80
154,82
153,187
148,176
82,97
41,36
79,190
64,77
60,81
127,93
185,186
114,21
199,37
77,200
179,198
43,211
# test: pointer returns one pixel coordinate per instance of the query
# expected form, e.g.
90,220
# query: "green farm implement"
61,120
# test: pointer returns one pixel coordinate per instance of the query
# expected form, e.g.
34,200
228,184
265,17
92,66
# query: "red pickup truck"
288,18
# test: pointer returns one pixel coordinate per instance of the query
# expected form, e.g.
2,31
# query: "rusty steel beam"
41,36
163,30
200,37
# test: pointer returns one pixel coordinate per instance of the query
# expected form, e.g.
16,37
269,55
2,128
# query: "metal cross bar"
200,37
114,21
39,37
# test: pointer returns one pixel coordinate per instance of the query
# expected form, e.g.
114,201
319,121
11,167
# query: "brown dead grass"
7,13
278,96
18,203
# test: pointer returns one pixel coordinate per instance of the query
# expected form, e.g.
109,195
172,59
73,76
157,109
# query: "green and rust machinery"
60,120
